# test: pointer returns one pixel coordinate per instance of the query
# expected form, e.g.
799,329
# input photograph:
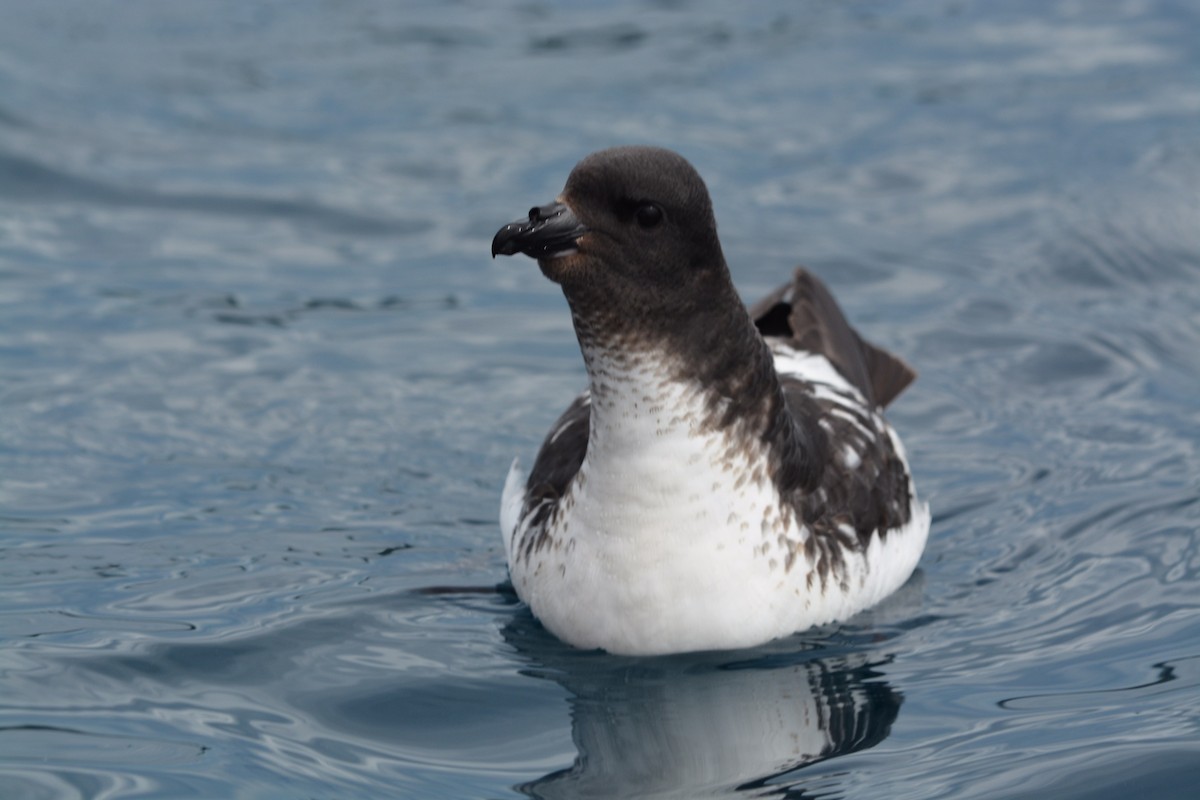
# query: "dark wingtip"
805,312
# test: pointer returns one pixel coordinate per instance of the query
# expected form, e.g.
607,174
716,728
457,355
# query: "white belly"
671,539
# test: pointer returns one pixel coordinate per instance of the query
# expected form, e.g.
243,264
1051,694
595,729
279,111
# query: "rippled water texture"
260,384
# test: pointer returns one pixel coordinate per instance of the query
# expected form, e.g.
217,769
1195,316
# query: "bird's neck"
666,387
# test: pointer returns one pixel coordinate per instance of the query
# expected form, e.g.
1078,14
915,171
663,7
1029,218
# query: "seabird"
727,477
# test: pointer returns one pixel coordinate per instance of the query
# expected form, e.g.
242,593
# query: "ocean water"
260,384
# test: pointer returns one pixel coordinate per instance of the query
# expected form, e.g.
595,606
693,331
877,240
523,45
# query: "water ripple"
30,182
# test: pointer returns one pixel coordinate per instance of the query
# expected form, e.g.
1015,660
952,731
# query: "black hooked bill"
551,231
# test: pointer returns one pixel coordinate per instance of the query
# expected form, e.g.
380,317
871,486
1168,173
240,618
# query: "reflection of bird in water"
685,727
728,477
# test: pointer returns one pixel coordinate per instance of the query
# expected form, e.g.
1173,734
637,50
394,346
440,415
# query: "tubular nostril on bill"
543,213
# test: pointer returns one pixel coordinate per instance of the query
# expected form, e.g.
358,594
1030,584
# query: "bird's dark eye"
648,215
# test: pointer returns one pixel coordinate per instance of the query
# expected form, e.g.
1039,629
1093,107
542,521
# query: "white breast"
672,538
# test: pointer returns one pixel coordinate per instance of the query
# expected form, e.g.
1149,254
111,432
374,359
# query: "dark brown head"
633,230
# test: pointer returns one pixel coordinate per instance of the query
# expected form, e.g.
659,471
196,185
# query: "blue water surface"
260,384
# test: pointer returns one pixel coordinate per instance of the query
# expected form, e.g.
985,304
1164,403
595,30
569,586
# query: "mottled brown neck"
704,339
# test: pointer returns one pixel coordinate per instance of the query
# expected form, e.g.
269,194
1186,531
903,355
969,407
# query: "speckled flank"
865,490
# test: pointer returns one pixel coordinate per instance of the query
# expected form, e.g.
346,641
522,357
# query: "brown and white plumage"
728,476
